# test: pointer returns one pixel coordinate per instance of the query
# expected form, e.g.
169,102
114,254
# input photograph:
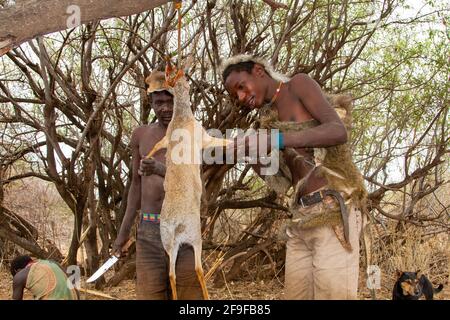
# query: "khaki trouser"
152,267
317,265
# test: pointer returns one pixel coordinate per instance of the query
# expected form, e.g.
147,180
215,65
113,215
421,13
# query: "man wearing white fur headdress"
319,264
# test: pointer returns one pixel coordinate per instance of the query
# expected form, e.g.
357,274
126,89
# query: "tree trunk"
91,247
25,228
76,234
1,189
33,18
8,234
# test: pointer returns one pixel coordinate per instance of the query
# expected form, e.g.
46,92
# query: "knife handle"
124,248
127,245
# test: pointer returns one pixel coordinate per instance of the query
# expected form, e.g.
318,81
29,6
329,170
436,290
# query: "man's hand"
119,244
256,145
151,166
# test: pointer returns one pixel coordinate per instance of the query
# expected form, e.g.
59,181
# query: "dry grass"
5,284
409,250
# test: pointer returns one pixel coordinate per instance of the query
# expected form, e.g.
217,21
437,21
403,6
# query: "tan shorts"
317,265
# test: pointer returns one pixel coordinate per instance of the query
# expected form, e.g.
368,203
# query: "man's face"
246,88
162,104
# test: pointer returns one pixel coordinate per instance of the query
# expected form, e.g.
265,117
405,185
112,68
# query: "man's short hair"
151,95
161,91
246,66
19,263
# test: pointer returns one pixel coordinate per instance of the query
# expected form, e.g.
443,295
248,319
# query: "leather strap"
319,196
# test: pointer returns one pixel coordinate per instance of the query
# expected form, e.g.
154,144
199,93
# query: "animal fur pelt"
334,163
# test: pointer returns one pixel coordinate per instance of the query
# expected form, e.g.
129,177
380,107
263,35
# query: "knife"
109,263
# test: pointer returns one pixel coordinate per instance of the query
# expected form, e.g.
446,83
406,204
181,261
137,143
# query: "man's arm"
134,195
331,130
19,283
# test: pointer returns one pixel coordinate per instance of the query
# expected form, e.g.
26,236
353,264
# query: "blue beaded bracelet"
279,141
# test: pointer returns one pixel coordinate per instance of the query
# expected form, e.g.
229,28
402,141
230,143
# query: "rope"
169,69
178,7
4,51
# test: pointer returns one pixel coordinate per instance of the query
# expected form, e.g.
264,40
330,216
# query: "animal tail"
438,289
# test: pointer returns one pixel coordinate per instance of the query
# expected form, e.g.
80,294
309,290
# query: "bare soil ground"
264,290
238,290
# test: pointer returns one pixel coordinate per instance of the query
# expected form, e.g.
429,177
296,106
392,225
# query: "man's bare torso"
290,108
152,190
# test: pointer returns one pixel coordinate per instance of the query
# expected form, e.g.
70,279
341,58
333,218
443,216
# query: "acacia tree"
70,100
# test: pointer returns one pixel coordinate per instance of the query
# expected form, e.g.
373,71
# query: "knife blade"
109,263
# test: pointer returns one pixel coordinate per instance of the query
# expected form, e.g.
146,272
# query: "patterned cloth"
46,281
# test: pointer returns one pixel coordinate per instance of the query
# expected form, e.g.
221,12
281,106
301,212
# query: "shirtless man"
146,195
317,265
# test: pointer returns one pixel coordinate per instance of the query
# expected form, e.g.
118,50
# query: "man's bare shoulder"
144,130
304,87
20,278
300,79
